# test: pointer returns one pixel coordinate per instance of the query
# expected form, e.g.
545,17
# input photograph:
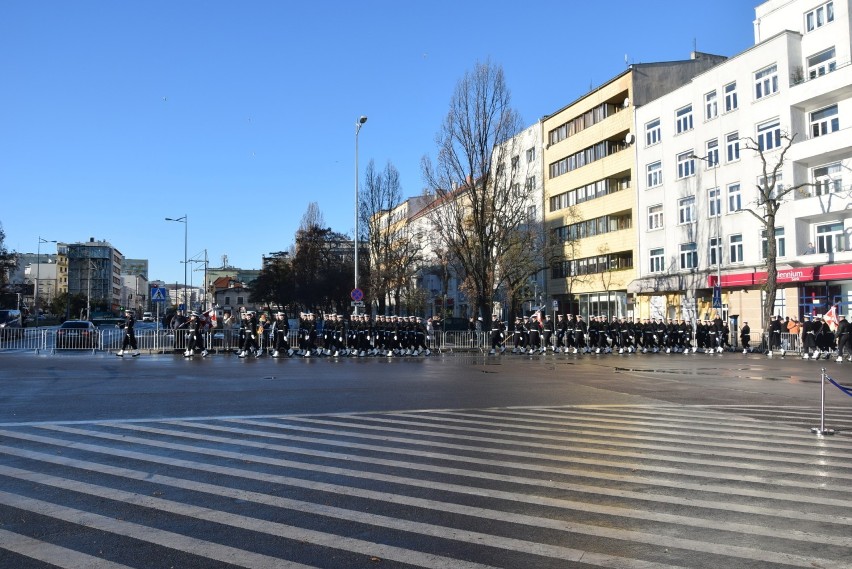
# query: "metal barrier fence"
110,339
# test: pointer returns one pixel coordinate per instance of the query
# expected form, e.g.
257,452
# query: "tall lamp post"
38,275
713,162
358,126
183,220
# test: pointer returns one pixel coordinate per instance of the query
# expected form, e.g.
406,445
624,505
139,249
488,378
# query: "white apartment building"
697,179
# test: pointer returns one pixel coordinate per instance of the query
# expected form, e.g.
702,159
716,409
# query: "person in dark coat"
745,337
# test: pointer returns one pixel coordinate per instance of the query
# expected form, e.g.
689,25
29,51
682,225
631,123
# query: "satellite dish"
629,139
626,103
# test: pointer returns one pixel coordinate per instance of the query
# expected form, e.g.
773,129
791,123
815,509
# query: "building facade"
590,189
699,157
94,270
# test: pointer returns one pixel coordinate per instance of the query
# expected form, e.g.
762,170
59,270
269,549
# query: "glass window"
715,251
658,260
686,210
688,256
714,199
736,248
685,165
769,135
711,108
655,174
766,82
712,153
531,154
824,121
822,63
780,244
683,118
732,146
652,132
828,179
829,237
655,217
820,16
731,97
735,199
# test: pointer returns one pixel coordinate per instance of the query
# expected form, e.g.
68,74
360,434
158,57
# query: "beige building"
590,191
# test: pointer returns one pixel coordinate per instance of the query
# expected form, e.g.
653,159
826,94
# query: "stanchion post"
821,430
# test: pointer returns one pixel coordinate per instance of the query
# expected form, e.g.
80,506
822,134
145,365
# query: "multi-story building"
699,155
590,190
94,270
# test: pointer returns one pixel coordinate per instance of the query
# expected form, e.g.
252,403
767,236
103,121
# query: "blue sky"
117,114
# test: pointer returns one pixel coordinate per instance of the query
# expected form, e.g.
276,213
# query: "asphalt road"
449,462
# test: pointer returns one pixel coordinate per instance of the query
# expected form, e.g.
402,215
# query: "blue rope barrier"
846,390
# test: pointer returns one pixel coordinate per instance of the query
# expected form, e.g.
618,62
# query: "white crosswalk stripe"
651,487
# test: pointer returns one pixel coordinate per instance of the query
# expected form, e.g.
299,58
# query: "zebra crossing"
627,486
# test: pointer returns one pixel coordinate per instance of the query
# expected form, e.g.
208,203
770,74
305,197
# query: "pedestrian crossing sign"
158,294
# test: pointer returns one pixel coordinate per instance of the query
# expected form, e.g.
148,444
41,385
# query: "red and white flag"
831,318
211,318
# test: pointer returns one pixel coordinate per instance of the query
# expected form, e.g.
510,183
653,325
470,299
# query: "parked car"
77,334
147,317
455,324
11,324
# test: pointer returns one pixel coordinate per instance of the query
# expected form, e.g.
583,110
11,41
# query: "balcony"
823,90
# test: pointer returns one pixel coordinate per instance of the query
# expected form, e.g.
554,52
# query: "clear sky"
117,114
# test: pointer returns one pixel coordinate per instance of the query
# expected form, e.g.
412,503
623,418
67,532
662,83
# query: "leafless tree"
770,198
480,205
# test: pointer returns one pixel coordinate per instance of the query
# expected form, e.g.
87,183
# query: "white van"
147,317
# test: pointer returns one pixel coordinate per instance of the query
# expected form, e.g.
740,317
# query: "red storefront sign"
799,274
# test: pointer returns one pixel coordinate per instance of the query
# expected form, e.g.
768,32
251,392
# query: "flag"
831,318
210,316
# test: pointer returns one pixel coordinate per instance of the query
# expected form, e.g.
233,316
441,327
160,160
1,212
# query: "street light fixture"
183,220
358,126
38,275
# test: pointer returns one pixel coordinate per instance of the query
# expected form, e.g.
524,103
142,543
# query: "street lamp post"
719,247
358,126
185,221
38,275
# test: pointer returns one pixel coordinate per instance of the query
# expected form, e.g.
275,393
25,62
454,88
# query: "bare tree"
480,206
311,218
770,197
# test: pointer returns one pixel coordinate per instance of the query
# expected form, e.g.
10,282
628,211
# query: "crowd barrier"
110,339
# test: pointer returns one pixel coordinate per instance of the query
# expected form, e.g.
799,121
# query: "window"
736,248
529,185
769,135
531,154
712,153
819,17
658,260
652,132
515,160
715,252
531,212
655,217
688,256
683,118
655,174
822,63
824,121
714,199
732,146
829,237
780,249
686,210
828,179
731,97
711,107
766,82
735,199
685,165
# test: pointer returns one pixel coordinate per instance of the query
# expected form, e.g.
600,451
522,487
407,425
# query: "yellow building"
589,189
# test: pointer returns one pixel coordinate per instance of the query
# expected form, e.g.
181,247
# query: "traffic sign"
357,303
158,294
717,297
357,294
